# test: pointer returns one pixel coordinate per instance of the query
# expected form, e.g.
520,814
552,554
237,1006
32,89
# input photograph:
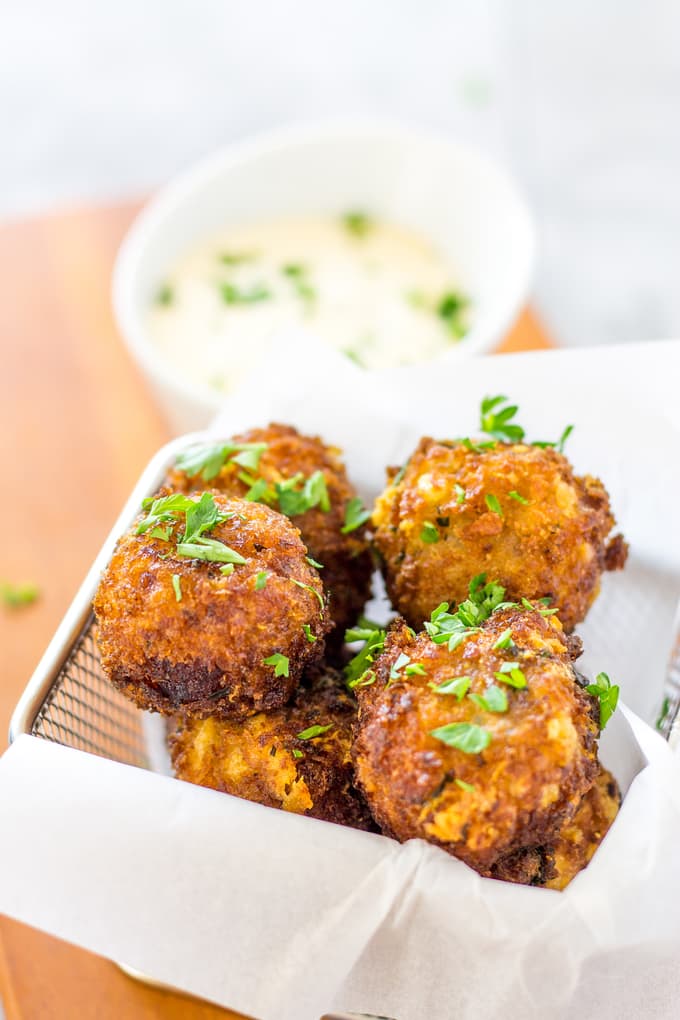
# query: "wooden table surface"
77,427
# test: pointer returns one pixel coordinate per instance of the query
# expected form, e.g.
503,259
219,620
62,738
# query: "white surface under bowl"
447,191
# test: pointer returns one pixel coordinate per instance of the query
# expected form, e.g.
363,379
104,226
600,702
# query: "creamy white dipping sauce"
382,295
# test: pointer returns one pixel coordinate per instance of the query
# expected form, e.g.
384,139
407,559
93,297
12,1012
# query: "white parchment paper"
283,917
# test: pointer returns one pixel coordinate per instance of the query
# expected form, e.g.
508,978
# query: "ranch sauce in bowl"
381,294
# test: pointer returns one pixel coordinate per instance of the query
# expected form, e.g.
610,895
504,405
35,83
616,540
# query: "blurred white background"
100,101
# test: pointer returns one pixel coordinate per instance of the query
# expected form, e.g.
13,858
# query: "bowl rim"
179,190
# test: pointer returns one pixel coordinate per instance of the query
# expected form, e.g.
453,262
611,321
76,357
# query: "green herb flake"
18,596
165,295
162,533
280,663
466,737
458,686
493,700
358,224
504,640
308,633
496,416
493,504
663,714
512,675
314,731
355,515
261,580
314,563
297,753
460,494
357,671
235,258
468,787
608,695
415,669
209,549
227,569
400,474
308,587
518,499
293,500
452,309
177,586
429,533
233,295
535,609
208,459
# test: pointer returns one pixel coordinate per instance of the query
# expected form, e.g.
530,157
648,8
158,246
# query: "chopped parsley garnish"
308,633
544,611
518,499
608,695
466,737
504,640
314,563
663,714
16,596
165,295
297,274
233,295
429,533
460,494
209,549
483,600
297,753
468,787
208,459
309,588
493,700
357,223
415,669
294,501
162,533
493,504
227,569
357,671
314,731
235,258
399,663
200,516
261,580
458,686
355,515
511,674
496,420
177,586
451,309
400,474
280,663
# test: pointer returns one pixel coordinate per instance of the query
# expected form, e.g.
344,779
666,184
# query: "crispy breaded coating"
264,759
346,558
177,632
480,803
516,512
579,838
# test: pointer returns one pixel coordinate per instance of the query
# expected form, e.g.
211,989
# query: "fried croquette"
481,741
579,838
276,465
296,758
517,512
209,605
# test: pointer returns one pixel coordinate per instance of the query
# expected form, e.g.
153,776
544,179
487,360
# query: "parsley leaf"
309,588
466,737
512,675
493,504
359,224
493,700
200,517
294,501
208,459
314,731
504,640
16,596
357,671
608,695
518,499
452,308
209,549
355,515
233,295
280,663
496,420
458,686
177,586
261,580
429,533
460,494
468,787
308,633
163,510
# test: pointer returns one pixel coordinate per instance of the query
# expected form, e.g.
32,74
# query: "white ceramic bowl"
446,190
